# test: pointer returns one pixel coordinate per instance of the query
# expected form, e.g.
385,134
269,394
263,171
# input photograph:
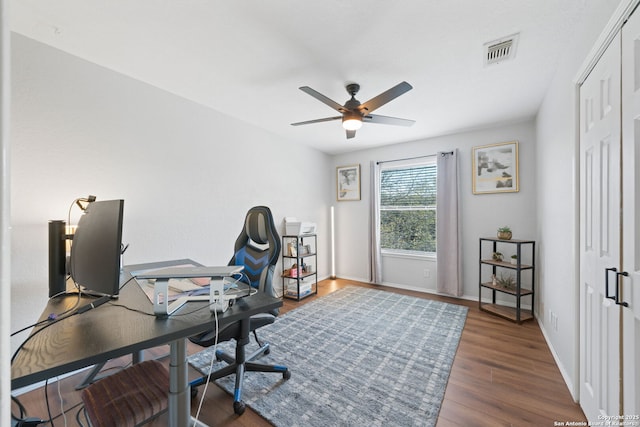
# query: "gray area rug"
358,357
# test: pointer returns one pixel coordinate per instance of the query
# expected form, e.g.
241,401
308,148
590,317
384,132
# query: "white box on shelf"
308,228
292,289
293,227
293,293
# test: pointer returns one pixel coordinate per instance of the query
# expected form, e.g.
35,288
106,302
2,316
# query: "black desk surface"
110,331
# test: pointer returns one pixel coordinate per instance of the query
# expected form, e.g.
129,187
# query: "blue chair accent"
257,248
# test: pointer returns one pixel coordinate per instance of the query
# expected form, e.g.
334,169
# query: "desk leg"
179,392
179,398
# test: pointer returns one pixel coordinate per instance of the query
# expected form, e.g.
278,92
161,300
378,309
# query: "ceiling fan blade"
351,134
320,97
386,120
384,97
308,122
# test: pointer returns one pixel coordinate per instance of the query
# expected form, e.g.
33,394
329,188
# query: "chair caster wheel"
267,351
286,375
194,392
239,407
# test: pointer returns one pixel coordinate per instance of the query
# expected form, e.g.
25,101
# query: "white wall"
558,194
5,220
187,173
481,214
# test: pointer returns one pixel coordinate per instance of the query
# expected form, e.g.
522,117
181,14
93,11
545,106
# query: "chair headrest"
256,227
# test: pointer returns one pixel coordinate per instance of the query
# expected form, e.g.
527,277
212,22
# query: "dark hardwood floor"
503,375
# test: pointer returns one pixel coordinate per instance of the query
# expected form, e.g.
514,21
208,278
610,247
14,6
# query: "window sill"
410,255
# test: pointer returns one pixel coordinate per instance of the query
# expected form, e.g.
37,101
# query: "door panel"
600,235
630,292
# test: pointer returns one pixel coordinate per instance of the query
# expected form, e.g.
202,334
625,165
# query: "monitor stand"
218,301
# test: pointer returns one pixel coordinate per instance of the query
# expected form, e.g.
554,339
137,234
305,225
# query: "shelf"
495,239
509,313
298,297
506,264
300,276
299,256
523,291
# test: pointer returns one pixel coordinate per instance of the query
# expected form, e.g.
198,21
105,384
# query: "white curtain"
375,257
448,231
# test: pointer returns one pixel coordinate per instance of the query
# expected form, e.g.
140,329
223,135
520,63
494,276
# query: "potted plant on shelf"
514,259
497,256
504,233
506,282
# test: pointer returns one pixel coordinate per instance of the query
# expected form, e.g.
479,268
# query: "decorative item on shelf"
506,282
293,272
494,281
293,250
514,259
497,256
304,250
504,233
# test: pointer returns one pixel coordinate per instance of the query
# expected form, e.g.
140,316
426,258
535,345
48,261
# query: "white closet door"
630,292
600,235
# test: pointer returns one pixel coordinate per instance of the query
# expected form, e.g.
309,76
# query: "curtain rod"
413,158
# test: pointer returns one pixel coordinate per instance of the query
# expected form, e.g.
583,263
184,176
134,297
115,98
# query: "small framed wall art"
348,182
495,168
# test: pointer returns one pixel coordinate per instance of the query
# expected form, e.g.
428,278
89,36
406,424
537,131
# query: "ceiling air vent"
500,50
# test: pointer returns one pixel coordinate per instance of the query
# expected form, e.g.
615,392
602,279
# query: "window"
408,207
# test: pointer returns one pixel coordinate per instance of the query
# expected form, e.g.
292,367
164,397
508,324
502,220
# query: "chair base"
239,365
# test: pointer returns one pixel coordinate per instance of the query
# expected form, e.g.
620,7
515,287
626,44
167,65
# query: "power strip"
217,299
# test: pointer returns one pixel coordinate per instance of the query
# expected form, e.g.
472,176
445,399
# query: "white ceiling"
248,58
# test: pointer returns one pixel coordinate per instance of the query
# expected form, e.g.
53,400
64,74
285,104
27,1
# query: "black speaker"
57,258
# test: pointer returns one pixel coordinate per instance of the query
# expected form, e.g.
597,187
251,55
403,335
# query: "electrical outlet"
427,273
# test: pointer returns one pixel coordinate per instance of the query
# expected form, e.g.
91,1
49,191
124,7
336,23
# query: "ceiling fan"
354,113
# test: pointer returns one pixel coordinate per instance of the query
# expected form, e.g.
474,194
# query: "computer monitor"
96,246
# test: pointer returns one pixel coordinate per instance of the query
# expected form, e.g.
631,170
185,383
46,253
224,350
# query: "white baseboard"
566,377
53,380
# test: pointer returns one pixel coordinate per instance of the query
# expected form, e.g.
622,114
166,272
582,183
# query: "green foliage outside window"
407,209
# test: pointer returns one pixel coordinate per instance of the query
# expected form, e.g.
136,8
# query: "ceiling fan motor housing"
353,88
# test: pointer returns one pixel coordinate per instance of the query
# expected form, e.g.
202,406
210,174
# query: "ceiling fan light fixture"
351,122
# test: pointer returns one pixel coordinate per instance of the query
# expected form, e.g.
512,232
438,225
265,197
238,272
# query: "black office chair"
257,248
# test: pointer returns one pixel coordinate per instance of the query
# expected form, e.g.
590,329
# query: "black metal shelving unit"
524,248
299,266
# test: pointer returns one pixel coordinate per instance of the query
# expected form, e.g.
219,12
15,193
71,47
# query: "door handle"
606,283
618,274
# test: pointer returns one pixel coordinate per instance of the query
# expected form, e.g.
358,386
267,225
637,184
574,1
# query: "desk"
109,332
